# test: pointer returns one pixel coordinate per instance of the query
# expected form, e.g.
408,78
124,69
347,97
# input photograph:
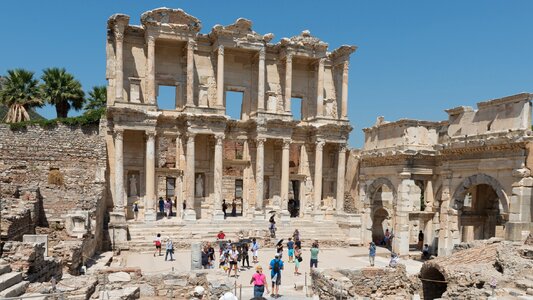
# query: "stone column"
400,243
217,206
149,201
318,180
119,171
190,213
259,178
150,70
428,196
320,89
288,82
190,72
341,170
119,67
344,92
285,179
261,81
220,76
445,234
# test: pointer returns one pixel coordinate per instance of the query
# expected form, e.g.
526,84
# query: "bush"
90,117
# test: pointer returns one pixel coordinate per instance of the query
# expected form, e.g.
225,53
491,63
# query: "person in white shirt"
255,250
233,260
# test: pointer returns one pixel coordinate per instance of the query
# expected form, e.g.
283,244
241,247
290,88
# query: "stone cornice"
173,19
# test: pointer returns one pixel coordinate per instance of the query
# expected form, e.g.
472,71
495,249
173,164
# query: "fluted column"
119,62
217,209
341,169
259,173
288,82
119,171
220,76
320,89
190,72
285,175
318,175
149,208
261,81
190,214
150,70
344,90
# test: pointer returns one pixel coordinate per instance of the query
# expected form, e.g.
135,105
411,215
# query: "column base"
318,215
118,229
117,216
259,215
329,213
285,216
150,215
190,215
217,216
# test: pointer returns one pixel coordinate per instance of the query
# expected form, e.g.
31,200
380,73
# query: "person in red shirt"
220,238
221,235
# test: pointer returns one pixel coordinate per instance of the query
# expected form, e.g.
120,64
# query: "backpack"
276,267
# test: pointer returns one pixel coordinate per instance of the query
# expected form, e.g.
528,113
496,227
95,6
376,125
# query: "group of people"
233,208
165,206
169,246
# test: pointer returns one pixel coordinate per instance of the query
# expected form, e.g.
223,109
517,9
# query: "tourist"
420,240
234,208
170,248
314,255
259,282
233,260
157,242
386,238
279,248
228,296
394,260
211,252
255,251
135,210
184,205
276,265
272,227
298,259
290,250
296,237
372,253
425,252
220,238
245,256
161,205
205,258
167,208
224,207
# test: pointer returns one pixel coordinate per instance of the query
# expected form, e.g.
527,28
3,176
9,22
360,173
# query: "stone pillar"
150,70
220,76
400,242
259,178
119,66
320,89
285,179
149,201
190,72
520,218
318,180
341,170
344,91
217,206
179,179
428,196
119,171
190,213
261,81
288,82
445,234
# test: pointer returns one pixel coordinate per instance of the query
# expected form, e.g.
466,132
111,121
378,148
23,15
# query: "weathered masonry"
187,148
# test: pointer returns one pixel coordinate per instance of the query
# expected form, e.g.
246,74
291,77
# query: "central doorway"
293,205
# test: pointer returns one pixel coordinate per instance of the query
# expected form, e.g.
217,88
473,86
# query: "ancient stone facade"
463,179
193,153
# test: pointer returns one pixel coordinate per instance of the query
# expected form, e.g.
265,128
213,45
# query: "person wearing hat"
259,281
372,253
276,265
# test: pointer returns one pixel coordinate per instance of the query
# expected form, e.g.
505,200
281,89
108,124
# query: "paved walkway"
351,258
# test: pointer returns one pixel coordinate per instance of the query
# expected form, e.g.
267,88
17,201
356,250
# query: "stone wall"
29,259
22,213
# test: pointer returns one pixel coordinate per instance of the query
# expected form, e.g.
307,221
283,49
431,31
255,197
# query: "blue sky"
415,58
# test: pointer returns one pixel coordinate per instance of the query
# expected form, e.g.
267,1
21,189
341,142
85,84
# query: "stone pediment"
241,30
304,41
174,18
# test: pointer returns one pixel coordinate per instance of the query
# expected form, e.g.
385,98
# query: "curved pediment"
171,17
241,29
304,41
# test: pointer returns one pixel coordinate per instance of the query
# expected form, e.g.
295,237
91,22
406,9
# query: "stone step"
524,284
4,269
9,279
15,290
36,296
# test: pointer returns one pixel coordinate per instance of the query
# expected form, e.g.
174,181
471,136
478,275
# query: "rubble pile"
21,213
29,258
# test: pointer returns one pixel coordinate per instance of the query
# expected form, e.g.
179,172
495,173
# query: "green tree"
62,90
97,100
19,92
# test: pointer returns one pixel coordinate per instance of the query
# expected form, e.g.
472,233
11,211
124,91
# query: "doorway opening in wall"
171,192
294,198
166,97
237,203
296,109
480,215
234,103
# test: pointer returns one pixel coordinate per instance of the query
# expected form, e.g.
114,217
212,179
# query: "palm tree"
62,90
20,92
97,99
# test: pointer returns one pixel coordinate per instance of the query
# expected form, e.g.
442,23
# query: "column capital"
191,44
320,145
321,62
221,50
345,66
191,135
118,31
150,134
260,141
342,148
288,58
404,175
286,143
118,133
150,39
262,53
219,139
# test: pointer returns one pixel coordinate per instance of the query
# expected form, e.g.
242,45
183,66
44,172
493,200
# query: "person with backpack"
255,250
314,255
135,209
372,253
157,242
276,265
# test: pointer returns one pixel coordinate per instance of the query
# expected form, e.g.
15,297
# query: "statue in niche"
199,186
133,185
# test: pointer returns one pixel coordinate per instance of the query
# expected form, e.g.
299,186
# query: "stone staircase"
183,233
523,288
11,283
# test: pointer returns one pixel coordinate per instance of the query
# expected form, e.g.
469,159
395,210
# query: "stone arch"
434,283
378,213
376,184
460,192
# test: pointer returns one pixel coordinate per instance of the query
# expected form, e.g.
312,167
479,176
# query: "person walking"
279,249
167,208
296,237
245,256
259,282
170,249
272,227
290,250
276,265
220,239
135,210
161,205
255,251
298,259
171,206
314,255
420,240
233,208
211,252
224,207
233,260
157,243
372,253
205,258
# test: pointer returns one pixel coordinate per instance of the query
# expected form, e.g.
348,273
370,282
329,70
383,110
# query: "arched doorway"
481,207
379,224
382,199
433,282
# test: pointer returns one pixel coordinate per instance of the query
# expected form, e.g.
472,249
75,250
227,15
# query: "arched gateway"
382,199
